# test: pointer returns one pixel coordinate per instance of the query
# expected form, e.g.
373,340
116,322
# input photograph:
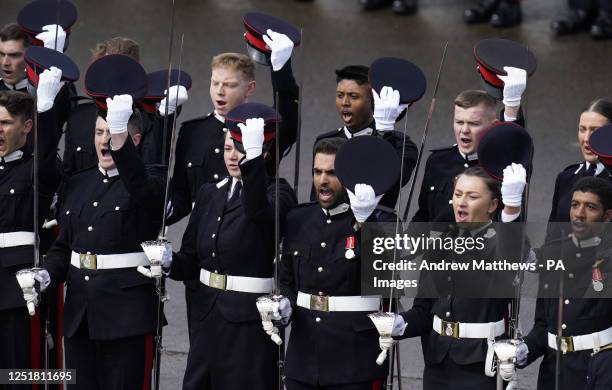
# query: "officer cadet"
581,306
229,245
366,110
499,13
105,213
16,216
333,344
79,152
583,15
475,111
199,157
597,114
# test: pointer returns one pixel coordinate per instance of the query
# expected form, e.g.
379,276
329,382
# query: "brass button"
329,221
216,176
86,277
189,165
218,219
320,269
318,319
323,245
567,301
67,212
295,253
12,191
213,235
563,326
78,149
90,228
431,188
105,181
448,313
117,208
95,204
217,150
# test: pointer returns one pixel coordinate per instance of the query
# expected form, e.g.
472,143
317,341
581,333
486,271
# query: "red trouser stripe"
148,366
35,340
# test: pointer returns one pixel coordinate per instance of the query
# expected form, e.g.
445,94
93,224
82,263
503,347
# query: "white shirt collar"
231,191
219,117
598,170
110,172
341,208
469,157
366,131
16,155
19,85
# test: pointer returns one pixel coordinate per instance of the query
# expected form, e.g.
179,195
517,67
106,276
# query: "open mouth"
105,152
220,103
347,116
462,215
2,144
325,194
465,141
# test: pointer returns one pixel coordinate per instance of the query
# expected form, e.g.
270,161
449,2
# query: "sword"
296,168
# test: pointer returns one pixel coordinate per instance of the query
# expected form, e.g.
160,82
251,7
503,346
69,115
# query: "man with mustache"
584,340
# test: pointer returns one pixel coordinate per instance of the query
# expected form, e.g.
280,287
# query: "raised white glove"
281,47
175,100
515,180
49,85
48,37
119,113
521,353
252,137
282,312
387,108
42,276
514,85
363,201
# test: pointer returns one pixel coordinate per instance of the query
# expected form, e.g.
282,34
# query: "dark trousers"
229,355
591,6
123,364
448,375
599,374
295,385
16,341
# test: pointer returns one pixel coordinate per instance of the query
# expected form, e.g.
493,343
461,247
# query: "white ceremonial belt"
119,260
467,330
348,303
585,342
236,283
8,240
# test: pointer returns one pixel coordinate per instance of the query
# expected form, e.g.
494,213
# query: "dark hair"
357,73
328,145
601,106
493,185
135,122
12,32
18,104
473,97
598,186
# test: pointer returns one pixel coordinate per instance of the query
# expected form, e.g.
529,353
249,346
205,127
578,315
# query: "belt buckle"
217,281
319,303
88,261
450,329
565,344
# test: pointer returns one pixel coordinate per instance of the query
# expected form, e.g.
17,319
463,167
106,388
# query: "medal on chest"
597,279
349,248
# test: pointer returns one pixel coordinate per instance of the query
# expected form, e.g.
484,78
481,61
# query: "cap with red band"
39,58
252,110
256,25
493,54
157,83
39,13
600,143
502,144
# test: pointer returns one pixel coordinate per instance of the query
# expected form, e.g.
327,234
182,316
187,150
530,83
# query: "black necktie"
236,193
591,171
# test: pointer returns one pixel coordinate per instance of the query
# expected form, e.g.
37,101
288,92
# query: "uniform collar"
366,131
468,157
599,167
588,243
13,156
219,117
474,232
19,85
109,173
341,208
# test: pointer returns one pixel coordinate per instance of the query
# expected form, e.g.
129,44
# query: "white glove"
283,311
49,85
515,180
252,137
399,325
521,354
119,113
42,276
175,101
167,257
281,47
160,257
386,342
48,37
363,201
387,108
506,371
514,85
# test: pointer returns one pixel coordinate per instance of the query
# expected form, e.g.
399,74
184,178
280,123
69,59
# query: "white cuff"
505,217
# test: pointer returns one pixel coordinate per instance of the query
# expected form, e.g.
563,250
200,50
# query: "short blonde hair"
237,61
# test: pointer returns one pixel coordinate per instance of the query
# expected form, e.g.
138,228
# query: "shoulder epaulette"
197,119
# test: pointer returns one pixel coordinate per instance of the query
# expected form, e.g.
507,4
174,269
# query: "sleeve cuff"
505,217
